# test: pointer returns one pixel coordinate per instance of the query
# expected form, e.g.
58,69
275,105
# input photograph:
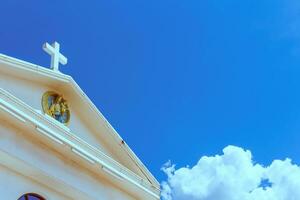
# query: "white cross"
56,56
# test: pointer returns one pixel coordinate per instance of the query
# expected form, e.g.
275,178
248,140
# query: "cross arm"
62,59
48,48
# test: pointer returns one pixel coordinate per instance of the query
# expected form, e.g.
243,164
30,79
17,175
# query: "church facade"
56,145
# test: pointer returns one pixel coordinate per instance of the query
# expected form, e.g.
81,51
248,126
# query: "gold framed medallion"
56,106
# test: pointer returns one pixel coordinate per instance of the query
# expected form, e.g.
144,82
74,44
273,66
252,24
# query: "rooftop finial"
56,56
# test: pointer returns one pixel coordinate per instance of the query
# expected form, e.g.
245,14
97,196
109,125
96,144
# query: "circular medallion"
56,106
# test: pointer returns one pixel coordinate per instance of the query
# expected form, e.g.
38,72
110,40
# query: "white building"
55,144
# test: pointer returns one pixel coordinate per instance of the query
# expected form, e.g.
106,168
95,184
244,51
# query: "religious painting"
56,106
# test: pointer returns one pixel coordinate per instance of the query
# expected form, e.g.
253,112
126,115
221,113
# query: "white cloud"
232,176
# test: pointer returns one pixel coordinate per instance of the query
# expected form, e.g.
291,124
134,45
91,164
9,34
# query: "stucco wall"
21,145
14,185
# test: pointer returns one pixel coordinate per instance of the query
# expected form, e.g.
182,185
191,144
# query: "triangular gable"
29,82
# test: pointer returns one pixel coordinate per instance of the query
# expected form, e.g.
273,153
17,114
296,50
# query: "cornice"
30,67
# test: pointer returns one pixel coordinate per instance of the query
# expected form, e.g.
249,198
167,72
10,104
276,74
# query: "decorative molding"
14,114
84,155
52,137
112,173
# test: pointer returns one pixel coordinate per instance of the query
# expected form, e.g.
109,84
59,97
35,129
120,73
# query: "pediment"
28,83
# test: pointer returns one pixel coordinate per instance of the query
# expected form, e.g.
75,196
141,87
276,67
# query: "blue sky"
185,77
